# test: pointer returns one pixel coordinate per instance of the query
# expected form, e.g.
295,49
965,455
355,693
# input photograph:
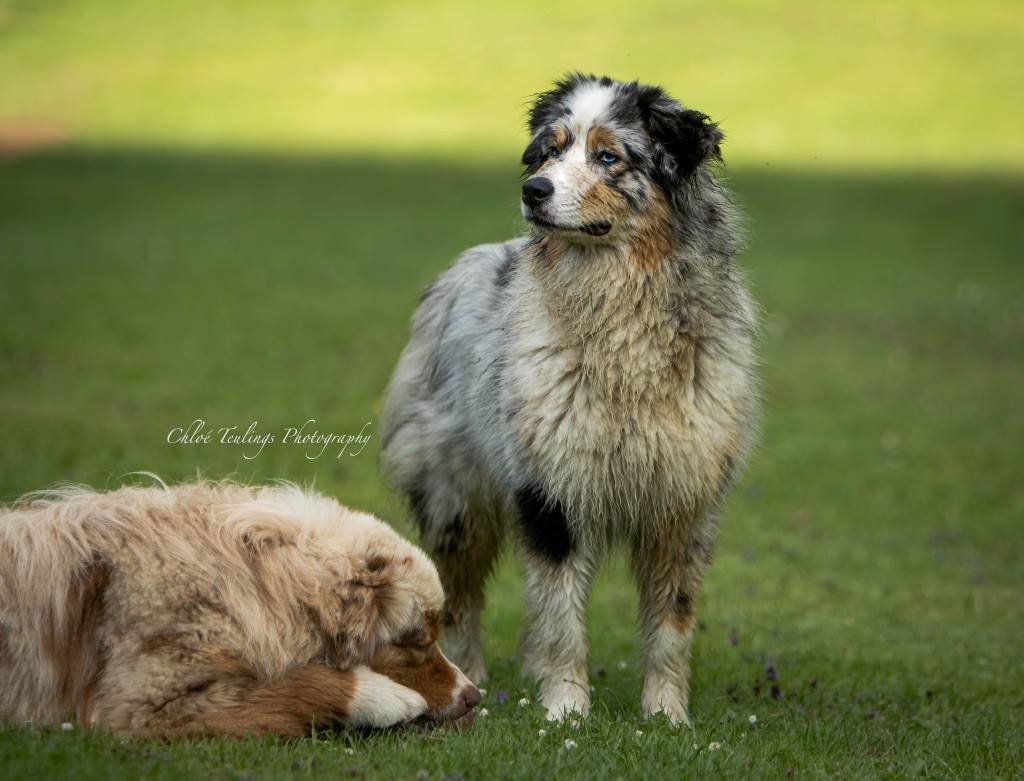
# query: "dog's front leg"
669,570
555,637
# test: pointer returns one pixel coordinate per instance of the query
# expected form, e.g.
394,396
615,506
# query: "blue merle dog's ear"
683,139
547,106
535,152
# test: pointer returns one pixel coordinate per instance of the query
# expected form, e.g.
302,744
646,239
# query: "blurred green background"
227,211
836,84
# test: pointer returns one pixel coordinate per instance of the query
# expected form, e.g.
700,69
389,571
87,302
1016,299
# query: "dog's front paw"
565,700
377,701
667,701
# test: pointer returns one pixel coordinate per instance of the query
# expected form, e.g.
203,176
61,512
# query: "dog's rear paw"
566,700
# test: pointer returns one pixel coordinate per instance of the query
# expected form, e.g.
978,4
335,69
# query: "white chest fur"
626,406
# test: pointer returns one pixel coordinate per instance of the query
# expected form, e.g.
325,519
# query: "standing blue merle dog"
590,384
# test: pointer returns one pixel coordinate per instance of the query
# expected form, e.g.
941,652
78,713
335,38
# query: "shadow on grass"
143,289
208,218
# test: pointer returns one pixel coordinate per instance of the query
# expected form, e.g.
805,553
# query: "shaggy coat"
591,383
216,609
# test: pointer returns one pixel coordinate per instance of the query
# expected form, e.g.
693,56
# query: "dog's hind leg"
464,541
669,569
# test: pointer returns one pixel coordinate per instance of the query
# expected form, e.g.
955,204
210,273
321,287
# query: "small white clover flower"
483,712
524,702
542,732
350,751
483,692
696,747
67,726
638,734
621,665
752,719
574,723
570,743
714,746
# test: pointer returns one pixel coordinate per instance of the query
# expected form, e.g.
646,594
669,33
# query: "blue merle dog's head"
608,160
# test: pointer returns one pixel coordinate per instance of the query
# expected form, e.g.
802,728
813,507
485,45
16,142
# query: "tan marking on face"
600,139
422,669
652,238
72,648
414,661
599,203
560,137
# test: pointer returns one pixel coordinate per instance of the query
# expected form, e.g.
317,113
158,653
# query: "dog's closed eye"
414,638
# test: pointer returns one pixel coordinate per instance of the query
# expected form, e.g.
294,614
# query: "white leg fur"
380,702
555,637
667,673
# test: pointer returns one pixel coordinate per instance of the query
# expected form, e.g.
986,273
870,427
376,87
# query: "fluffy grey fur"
590,384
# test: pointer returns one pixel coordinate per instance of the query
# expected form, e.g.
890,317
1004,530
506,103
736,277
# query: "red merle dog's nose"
470,697
537,189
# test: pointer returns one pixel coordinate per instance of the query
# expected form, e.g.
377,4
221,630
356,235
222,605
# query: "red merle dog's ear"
351,614
683,139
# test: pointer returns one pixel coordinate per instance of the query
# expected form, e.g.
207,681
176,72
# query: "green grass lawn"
874,556
245,207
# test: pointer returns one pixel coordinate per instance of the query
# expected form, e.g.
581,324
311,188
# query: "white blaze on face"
462,683
588,104
572,173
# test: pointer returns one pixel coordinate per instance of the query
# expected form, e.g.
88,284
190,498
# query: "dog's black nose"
536,190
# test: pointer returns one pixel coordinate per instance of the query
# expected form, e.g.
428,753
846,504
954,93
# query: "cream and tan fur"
590,384
215,608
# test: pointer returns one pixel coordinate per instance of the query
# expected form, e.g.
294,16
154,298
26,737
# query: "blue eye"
608,158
